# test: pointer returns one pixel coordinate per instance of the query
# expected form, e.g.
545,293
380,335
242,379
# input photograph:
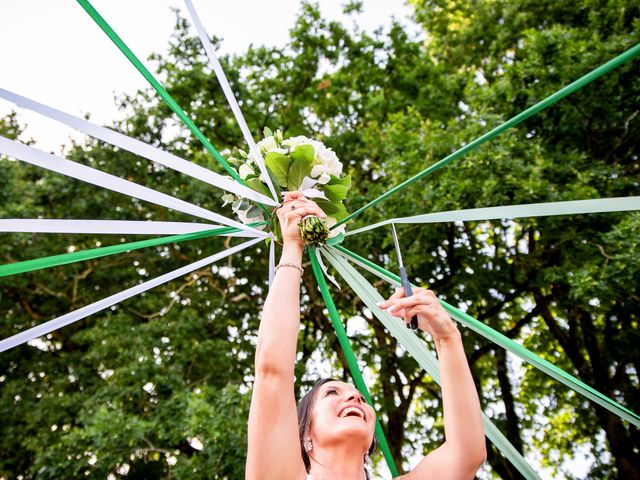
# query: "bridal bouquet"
295,163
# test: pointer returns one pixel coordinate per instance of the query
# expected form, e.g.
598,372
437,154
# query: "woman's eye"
329,392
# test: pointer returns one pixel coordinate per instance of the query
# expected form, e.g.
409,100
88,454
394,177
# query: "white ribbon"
600,205
323,267
139,148
306,188
111,182
128,227
83,312
228,93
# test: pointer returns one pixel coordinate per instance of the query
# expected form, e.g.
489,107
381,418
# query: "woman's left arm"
463,451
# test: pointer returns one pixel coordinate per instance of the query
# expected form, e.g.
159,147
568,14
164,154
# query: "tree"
142,387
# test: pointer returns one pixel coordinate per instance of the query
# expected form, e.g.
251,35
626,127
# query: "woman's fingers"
301,210
288,196
296,216
399,293
297,203
401,302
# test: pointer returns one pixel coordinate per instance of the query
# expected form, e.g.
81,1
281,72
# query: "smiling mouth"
353,412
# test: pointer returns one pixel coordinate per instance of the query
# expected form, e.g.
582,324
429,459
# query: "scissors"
406,285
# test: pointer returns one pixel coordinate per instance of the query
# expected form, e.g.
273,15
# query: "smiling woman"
332,433
322,405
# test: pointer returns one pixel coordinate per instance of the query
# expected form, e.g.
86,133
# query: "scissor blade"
395,241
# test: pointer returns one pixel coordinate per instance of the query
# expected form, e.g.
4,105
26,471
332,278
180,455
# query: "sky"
52,52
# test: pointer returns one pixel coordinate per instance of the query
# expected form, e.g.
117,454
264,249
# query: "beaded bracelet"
290,265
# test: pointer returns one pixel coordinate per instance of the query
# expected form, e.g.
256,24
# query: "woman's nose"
357,397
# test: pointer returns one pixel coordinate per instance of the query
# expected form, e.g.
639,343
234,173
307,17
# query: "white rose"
297,141
324,179
244,171
330,160
268,143
283,151
317,170
326,159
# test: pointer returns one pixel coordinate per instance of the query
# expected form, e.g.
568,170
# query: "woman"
332,433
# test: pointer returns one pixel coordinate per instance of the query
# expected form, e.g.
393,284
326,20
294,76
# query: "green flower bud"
314,230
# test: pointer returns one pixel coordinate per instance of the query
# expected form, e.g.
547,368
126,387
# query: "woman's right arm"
273,444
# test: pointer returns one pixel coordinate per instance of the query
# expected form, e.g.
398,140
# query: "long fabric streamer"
228,93
82,255
425,358
139,148
496,337
547,102
348,354
83,312
111,182
110,227
106,28
618,204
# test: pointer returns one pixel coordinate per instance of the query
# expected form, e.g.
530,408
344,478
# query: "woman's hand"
432,318
293,210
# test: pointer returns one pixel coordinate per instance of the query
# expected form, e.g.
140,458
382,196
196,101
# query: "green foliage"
137,384
300,167
279,164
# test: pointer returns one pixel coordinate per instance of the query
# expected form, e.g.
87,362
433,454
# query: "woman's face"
341,413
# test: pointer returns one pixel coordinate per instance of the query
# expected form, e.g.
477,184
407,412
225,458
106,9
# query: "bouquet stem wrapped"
314,230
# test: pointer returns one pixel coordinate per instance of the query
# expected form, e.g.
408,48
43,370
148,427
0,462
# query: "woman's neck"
336,463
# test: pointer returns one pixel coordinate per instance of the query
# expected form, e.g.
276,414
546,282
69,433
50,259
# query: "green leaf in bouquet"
279,164
255,184
300,168
335,193
267,132
303,152
346,181
276,184
240,204
228,198
337,240
254,212
333,209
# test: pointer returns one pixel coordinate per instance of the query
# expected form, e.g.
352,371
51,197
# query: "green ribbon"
547,102
496,337
66,258
425,358
106,28
349,355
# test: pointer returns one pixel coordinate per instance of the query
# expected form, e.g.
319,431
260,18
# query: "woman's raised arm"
274,446
463,451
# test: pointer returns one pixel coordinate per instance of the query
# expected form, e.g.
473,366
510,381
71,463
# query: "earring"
308,445
367,458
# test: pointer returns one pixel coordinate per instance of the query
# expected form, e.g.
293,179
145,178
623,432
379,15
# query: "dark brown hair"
304,421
